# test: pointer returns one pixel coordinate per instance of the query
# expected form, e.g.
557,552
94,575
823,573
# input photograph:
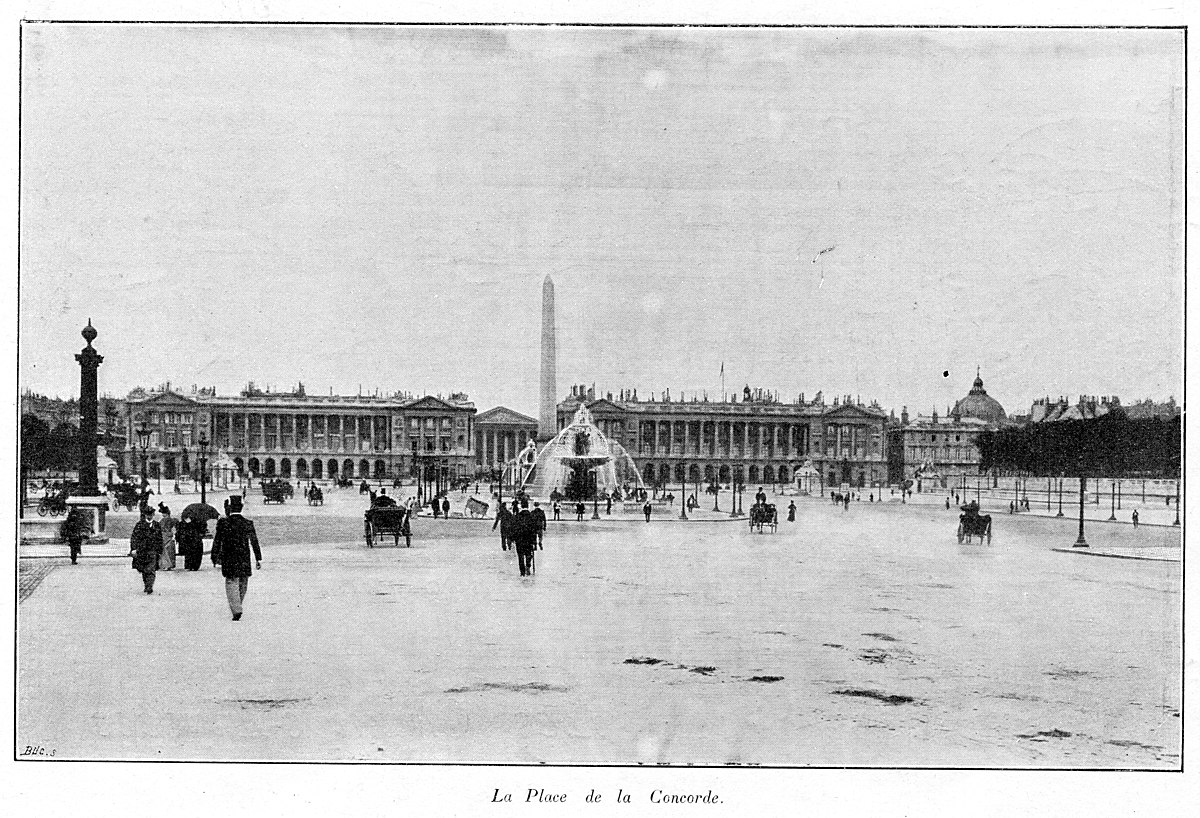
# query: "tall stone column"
547,422
89,361
88,500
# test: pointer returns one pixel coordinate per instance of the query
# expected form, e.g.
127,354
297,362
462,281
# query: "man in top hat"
232,543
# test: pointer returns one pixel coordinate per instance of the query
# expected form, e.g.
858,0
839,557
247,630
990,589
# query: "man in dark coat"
146,545
446,508
382,500
539,519
525,534
646,509
77,527
234,538
189,535
504,519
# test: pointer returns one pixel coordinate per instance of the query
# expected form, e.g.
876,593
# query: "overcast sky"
853,211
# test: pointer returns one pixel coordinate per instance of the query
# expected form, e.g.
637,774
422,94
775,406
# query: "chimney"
904,415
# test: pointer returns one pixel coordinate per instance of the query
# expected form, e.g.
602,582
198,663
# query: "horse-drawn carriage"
125,495
387,520
344,482
763,514
277,491
53,504
971,523
314,495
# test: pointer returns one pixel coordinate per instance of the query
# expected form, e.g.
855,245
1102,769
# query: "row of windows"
171,418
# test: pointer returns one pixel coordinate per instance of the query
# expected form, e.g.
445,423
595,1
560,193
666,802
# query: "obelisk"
547,416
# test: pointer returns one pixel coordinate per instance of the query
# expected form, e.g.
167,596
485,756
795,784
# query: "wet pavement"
860,637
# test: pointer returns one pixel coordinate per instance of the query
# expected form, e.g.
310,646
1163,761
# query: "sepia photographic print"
600,397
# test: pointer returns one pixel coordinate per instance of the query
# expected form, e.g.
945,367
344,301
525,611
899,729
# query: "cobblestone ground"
30,574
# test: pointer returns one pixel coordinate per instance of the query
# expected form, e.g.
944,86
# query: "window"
154,439
187,437
170,438
154,417
957,438
413,423
462,423
447,422
933,438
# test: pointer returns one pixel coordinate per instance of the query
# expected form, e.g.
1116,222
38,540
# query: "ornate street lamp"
203,464
143,436
1060,497
1112,491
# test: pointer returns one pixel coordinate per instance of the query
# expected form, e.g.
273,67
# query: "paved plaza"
859,637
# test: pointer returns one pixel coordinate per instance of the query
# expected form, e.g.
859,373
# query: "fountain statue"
579,462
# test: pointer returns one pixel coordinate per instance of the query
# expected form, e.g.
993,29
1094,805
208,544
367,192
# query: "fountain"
580,462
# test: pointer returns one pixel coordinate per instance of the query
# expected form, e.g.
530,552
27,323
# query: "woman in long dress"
166,562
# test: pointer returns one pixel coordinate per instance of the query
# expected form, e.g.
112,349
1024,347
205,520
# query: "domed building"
938,453
978,404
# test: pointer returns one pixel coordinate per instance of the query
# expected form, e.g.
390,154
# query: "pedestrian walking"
792,511
608,504
504,523
525,534
557,510
166,562
232,544
190,536
539,517
579,509
145,546
646,509
1135,523
445,508
76,527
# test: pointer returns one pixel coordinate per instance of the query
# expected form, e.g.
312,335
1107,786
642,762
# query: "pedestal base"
95,508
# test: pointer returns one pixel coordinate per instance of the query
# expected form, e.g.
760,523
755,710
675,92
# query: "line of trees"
1110,446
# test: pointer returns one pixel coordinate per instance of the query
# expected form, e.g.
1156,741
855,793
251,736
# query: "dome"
977,404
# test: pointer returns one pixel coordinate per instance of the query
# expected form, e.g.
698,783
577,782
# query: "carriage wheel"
42,510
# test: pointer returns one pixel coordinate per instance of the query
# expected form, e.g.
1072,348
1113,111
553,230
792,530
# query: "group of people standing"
157,535
521,529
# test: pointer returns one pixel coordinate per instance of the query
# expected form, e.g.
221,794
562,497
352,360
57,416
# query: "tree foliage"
1109,446
56,449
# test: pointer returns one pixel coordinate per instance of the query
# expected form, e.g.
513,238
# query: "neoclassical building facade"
500,435
302,436
757,440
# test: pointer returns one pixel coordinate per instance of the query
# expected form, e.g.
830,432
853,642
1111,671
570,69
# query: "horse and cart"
763,514
973,524
277,491
381,520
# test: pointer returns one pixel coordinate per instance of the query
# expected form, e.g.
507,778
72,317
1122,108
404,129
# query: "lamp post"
1118,495
143,436
1047,494
1081,542
1060,497
203,465
683,491
1176,501
1112,491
